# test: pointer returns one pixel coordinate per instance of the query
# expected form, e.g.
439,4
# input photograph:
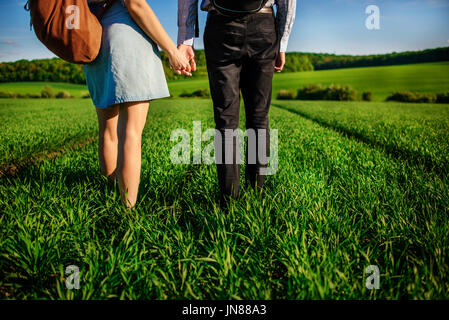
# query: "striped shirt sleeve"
187,15
286,13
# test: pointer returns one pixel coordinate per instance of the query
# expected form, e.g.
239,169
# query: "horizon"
289,52
336,27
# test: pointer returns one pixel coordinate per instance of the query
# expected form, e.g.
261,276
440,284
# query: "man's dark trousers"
240,55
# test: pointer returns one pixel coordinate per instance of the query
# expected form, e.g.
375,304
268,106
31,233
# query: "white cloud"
438,3
8,42
429,3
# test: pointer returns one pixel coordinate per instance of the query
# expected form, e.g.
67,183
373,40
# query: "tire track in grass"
422,161
13,169
35,130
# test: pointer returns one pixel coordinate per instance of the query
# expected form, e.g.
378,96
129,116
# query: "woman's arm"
144,16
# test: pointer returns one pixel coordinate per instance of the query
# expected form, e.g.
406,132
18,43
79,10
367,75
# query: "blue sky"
330,26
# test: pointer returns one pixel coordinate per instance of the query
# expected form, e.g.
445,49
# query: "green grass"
381,81
409,131
38,126
341,200
76,90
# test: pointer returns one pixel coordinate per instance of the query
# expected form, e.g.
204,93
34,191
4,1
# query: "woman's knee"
130,135
107,121
132,120
109,135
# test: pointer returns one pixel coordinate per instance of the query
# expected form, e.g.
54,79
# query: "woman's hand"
179,63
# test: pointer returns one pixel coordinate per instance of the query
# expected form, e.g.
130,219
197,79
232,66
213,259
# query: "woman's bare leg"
131,122
108,140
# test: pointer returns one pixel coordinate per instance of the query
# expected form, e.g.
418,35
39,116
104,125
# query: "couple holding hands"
245,43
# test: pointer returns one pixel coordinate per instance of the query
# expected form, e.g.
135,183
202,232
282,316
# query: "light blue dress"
128,67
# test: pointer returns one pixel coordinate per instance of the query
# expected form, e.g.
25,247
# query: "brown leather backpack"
68,28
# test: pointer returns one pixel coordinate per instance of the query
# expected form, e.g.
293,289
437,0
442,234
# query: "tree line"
57,70
331,61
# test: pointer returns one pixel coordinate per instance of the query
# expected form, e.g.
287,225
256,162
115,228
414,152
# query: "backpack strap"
197,25
27,8
105,7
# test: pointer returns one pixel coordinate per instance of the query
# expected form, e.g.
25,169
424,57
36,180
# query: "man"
242,53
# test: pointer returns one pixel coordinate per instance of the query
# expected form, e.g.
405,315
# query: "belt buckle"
266,10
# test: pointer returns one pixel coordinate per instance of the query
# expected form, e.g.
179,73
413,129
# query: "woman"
126,75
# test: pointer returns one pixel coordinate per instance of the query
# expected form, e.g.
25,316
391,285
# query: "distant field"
76,90
382,81
358,184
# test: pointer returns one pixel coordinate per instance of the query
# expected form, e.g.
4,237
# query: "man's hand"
280,62
189,53
178,62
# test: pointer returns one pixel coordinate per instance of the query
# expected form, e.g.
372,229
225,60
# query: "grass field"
36,127
358,184
76,90
381,81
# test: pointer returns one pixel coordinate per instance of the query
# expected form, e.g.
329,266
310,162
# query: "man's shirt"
188,11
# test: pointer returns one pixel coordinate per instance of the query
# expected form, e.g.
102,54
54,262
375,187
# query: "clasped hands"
183,60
